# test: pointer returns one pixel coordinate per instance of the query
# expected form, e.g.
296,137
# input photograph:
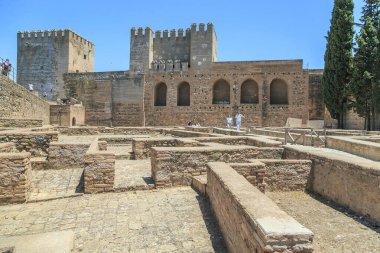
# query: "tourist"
238,117
189,123
6,67
45,94
229,121
30,86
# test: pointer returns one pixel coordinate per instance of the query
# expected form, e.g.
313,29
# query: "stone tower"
141,53
174,51
44,56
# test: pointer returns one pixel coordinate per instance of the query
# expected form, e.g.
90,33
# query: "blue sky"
246,30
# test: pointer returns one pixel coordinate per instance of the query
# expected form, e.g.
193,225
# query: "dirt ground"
336,229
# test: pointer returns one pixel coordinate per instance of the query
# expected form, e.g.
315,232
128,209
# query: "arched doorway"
73,122
160,94
249,92
221,92
278,92
183,94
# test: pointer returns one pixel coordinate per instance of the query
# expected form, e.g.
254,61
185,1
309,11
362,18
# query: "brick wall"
67,155
250,221
15,174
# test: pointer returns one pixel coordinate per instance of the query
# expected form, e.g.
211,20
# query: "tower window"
85,57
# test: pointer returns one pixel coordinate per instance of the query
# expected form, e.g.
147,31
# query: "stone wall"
99,172
350,181
92,130
44,56
254,172
176,166
287,175
66,155
110,98
367,149
316,104
185,133
7,147
67,115
37,143
15,177
21,123
19,106
141,147
250,221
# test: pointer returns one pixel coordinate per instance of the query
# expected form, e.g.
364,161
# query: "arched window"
160,94
278,92
221,92
249,92
183,94
73,122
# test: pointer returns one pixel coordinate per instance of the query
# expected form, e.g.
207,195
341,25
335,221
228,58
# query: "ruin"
115,168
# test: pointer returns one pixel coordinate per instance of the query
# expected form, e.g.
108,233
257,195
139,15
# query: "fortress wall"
171,47
110,98
19,107
201,81
44,56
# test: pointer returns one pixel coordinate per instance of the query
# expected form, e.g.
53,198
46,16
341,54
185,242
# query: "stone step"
199,183
39,163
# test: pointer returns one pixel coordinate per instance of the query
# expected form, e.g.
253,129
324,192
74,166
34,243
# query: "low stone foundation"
99,172
20,123
176,166
67,155
250,221
348,180
35,142
367,149
15,177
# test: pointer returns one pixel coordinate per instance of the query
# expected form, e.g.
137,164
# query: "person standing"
229,121
6,67
238,117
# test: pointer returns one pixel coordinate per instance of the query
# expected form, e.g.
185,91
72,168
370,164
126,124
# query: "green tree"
365,77
338,58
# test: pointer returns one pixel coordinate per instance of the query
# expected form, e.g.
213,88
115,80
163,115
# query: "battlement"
173,35
140,32
200,29
38,34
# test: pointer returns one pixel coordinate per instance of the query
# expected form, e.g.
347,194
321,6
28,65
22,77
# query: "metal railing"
294,138
12,75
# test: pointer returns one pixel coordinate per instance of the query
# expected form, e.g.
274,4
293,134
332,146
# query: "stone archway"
221,92
249,92
278,92
183,94
160,92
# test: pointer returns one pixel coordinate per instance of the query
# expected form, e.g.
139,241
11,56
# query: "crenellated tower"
44,56
141,51
203,45
174,50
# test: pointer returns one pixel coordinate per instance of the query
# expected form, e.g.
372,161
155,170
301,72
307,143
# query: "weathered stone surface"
15,177
66,155
262,225
349,180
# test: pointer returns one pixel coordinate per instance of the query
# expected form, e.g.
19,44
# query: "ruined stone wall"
201,81
99,172
250,221
110,98
7,147
351,182
67,155
316,104
19,106
37,143
353,121
20,123
176,166
44,56
15,174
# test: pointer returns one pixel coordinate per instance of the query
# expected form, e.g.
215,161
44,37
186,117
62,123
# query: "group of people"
238,117
6,67
192,123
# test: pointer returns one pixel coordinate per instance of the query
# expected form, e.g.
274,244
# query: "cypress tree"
338,58
365,79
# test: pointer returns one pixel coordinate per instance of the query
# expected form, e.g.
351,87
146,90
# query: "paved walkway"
48,184
133,175
170,220
335,229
